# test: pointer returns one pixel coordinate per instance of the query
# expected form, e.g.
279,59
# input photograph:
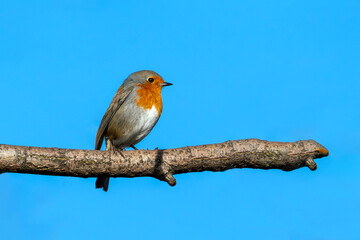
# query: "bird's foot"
118,151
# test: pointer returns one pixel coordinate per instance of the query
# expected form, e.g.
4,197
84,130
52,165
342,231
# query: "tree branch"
162,164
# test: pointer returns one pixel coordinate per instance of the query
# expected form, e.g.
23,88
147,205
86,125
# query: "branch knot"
163,170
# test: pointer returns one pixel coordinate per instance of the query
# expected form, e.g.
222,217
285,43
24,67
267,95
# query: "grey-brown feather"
119,98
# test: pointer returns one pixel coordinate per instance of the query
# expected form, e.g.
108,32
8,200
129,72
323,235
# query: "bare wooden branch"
162,164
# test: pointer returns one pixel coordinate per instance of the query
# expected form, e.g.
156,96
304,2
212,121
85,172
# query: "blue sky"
274,70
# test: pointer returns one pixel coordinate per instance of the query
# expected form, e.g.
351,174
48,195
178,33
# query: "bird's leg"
112,148
133,147
109,145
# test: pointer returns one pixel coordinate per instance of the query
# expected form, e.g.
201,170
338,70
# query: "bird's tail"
102,182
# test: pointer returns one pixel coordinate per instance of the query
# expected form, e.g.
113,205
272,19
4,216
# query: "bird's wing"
115,104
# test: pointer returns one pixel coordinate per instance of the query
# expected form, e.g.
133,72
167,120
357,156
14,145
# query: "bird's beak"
164,84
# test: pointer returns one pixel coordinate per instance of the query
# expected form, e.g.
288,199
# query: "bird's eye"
150,79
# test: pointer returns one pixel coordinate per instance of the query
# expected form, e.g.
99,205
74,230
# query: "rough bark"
162,164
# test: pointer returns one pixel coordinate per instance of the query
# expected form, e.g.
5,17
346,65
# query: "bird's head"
148,80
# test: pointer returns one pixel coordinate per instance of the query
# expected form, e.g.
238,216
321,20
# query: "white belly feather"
136,124
146,122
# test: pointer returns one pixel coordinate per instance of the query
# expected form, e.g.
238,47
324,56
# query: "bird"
133,112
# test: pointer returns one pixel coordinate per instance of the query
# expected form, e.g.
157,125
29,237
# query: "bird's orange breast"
149,95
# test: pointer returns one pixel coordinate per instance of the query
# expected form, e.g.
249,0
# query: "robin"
132,114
